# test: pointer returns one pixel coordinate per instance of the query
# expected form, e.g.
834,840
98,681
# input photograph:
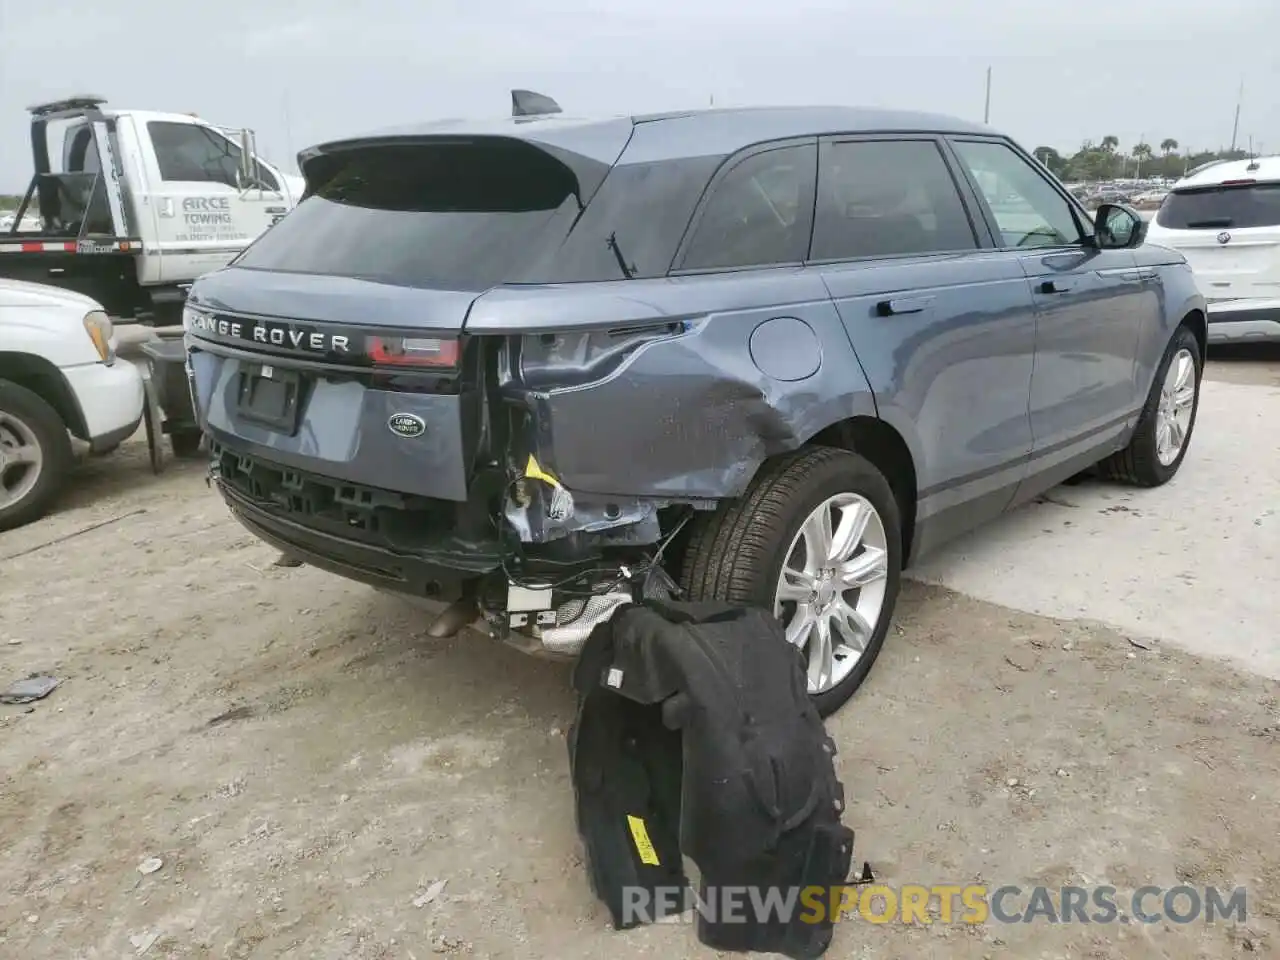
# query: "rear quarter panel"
762,364
1171,296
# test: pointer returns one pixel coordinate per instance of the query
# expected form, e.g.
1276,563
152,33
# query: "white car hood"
18,293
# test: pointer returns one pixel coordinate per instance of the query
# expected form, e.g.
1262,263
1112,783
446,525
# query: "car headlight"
98,326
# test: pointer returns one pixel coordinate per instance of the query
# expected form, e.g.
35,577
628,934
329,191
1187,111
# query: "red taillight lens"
1237,183
431,352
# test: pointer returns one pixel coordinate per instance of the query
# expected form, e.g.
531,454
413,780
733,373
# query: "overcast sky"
299,72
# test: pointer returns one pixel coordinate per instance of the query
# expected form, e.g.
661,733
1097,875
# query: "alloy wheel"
1177,404
831,591
21,459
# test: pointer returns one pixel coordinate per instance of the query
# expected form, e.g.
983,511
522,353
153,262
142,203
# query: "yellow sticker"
561,506
644,846
535,472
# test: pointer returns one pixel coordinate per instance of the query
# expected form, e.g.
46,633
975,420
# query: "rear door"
203,219
944,328
1230,234
1090,303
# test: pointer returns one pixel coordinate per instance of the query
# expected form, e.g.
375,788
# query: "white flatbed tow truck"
138,205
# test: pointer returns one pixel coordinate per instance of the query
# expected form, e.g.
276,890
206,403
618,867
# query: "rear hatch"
1229,233
335,344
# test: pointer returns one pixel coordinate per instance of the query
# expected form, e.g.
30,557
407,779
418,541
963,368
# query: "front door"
204,219
944,329
1089,305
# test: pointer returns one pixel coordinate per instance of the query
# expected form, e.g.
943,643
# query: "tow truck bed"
99,267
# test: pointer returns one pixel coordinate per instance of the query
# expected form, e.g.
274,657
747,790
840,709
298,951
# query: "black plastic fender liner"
626,774
708,702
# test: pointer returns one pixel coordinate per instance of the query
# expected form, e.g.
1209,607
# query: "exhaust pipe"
460,614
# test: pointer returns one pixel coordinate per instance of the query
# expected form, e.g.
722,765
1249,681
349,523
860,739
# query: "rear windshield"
463,215
1220,208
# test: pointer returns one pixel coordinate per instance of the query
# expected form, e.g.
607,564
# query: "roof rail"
84,102
526,103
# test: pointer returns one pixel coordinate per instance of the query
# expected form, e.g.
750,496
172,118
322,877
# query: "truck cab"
133,205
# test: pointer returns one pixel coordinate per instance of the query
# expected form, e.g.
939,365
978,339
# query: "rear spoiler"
525,105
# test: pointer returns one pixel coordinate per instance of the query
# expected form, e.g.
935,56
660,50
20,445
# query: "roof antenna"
526,103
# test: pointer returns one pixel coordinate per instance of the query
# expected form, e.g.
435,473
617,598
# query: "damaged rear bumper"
436,574
410,545
432,549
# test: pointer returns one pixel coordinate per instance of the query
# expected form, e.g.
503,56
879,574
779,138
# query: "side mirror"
1117,226
246,172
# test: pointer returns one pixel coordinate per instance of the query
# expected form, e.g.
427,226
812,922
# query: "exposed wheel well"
47,382
883,446
1197,323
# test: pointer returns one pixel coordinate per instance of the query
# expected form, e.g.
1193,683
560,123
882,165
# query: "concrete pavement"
1195,564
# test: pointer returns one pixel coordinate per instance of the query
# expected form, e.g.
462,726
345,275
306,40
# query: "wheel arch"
1198,324
47,382
886,448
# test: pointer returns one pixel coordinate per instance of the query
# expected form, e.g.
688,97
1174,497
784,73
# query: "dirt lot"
306,762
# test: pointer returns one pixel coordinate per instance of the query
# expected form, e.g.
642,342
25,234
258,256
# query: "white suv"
1225,219
58,373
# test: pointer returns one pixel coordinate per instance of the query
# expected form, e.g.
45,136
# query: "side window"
1026,207
884,198
191,153
266,178
81,151
759,213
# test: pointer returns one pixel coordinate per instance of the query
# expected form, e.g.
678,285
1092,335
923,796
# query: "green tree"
1168,145
1093,163
1110,144
1052,160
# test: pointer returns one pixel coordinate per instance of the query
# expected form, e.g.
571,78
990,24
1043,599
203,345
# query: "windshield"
459,215
1222,207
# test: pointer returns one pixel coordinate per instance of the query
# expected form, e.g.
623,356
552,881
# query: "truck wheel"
1163,435
35,456
186,443
817,539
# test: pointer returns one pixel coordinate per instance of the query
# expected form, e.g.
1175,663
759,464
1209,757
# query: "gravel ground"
304,761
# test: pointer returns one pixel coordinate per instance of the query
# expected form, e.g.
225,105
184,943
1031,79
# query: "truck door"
204,219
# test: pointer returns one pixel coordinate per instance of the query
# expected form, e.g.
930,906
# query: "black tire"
186,443
1138,464
736,554
50,434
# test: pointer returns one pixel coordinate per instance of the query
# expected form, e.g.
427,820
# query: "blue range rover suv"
541,367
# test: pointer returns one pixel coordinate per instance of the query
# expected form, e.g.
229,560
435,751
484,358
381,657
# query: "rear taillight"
1237,183
420,352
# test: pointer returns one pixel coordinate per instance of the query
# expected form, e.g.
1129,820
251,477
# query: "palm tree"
1140,152
1168,145
1109,143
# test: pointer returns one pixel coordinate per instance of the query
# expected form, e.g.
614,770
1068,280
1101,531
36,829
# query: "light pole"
1235,126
